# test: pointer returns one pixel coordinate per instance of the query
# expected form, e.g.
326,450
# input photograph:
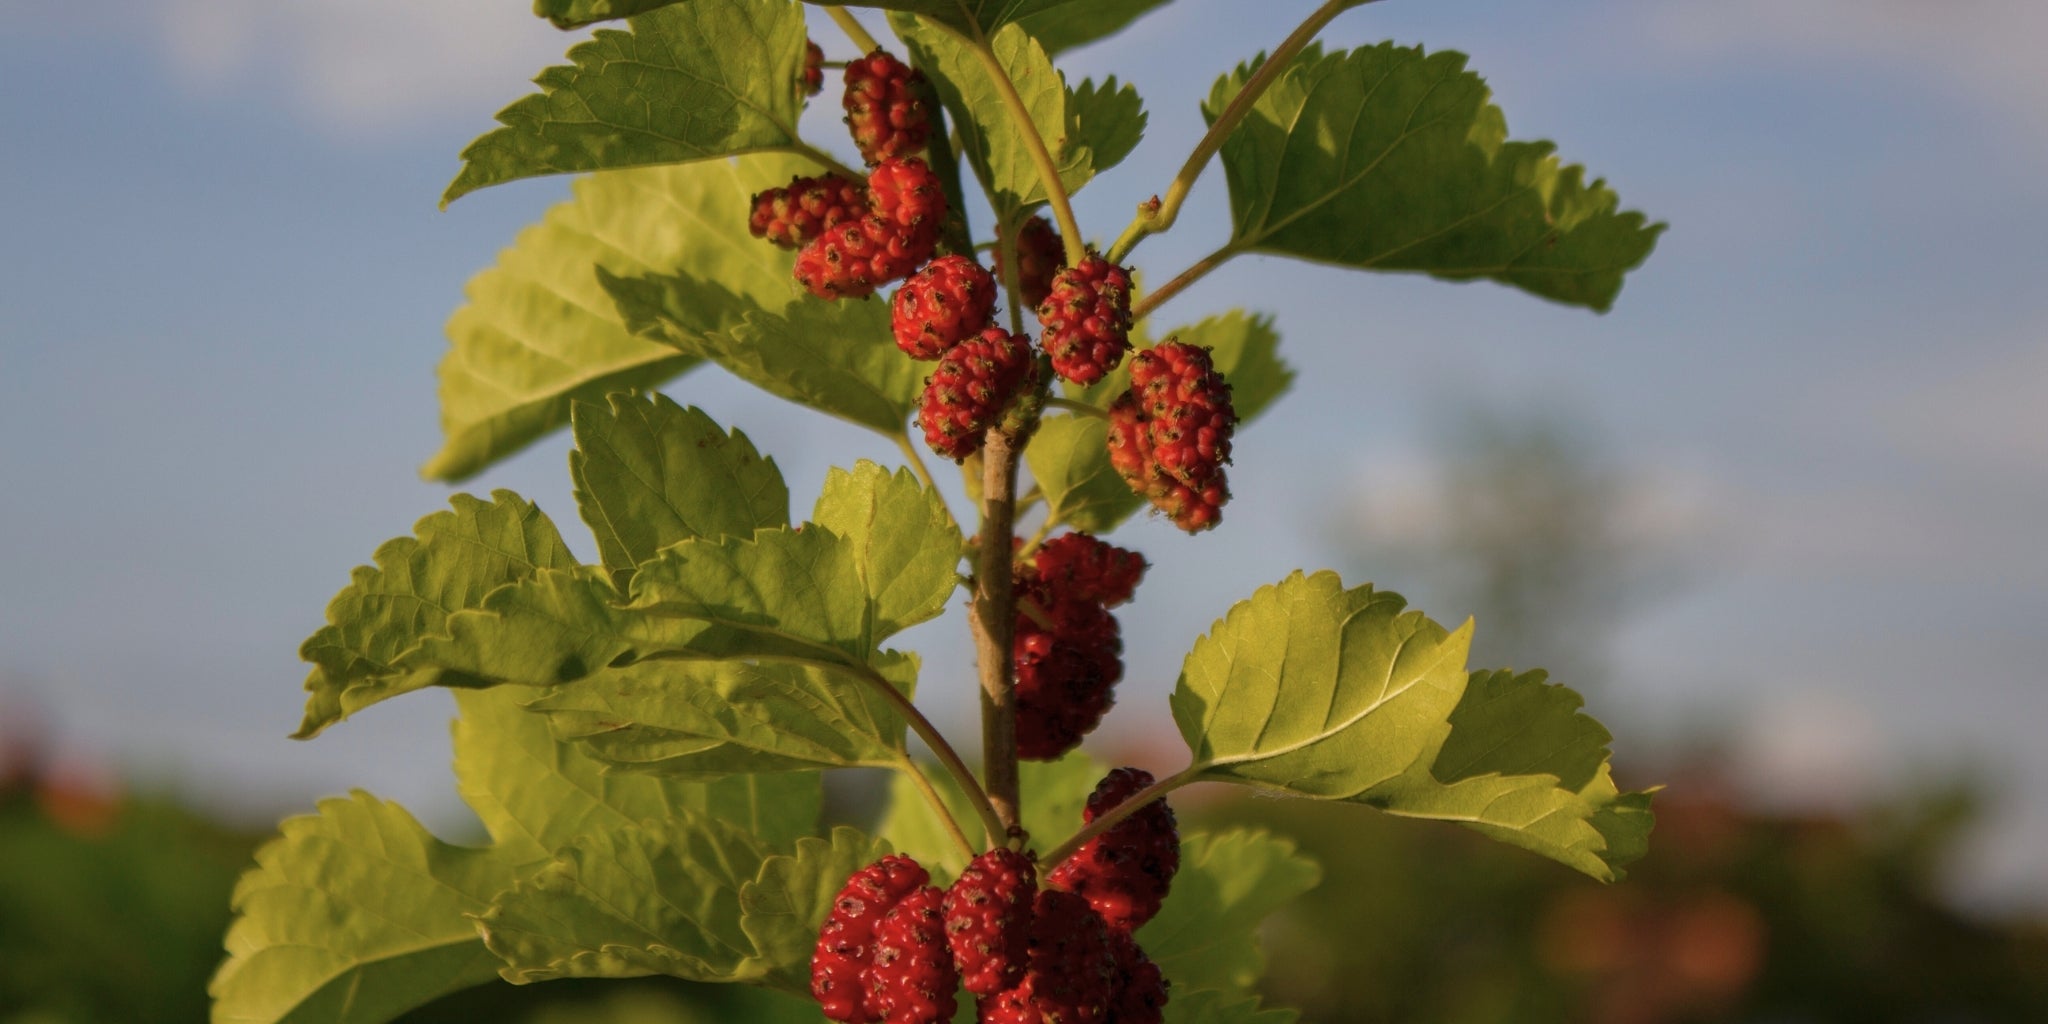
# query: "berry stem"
1109,819
1157,297
917,775
1157,214
1034,144
993,623
947,756
1082,408
852,27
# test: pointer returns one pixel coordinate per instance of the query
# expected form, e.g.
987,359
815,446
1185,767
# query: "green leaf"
577,13
536,794
1387,158
692,81
984,17
1069,456
1092,132
1069,460
1075,25
839,358
880,556
353,916
1223,1008
453,560
1054,794
1312,689
782,909
712,720
1206,934
649,473
540,332
1104,122
658,898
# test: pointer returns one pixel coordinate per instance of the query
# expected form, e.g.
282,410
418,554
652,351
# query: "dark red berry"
1087,319
1169,435
846,943
1080,566
950,300
806,208
811,81
1067,669
906,194
988,920
1140,987
1124,873
1040,255
911,979
1072,975
885,107
974,383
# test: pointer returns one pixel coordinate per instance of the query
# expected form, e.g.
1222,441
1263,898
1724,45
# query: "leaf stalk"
852,27
1034,146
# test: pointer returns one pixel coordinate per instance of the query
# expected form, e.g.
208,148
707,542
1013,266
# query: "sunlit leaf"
689,81
649,473
450,563
576,13
540,332
1388,158
782,909
353,916
1078,24
1312,689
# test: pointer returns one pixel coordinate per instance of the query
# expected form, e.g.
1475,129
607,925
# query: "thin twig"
852,27
910,767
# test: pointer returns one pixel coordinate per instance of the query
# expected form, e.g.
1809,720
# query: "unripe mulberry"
1087,319
885,107
1072,976
1067,668
988,920
846,943
1169,435
1077,565
1124,873
907,194
852,259
1040,255
974,383
811,80
1140,987
911,979
950,300
806,208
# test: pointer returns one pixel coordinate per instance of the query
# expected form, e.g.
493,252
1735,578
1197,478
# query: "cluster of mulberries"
1169,435
894,949
1067,648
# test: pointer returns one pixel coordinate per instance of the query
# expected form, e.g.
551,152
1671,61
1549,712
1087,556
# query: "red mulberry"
1087,319
1124,873
911,979
1077,565
1067,672
988,920
1072,975
811,81
846,943
884,107
806,208
974,383
950,300
1169,435
1140,988
854,258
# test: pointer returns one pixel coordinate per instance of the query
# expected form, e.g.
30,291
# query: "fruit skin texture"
974,382
852,259
812,79
846,942
1087,319
1080,566
806,208
906,194
1067,667
1040,255
988,920
1169,435
1072,976
884,107
1141,990
1125,872
953,298
912,980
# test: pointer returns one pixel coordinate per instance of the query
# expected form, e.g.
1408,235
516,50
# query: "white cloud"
361,66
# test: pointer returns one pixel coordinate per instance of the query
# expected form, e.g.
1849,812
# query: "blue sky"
224,275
